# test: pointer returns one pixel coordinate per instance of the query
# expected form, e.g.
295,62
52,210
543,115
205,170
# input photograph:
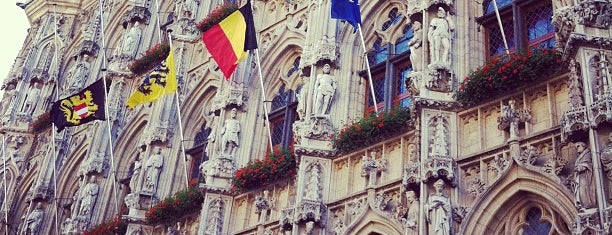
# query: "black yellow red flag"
80,108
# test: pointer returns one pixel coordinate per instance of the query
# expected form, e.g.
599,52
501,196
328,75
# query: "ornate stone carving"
34,220
186,8
338,225
439,210
459,212
564,23
573,120
412,215
440,36
381,201
412,172
312,211
77,75
89,47
286,219
439,168
578,40
313,185
416,47
476,187
575,85
230,133
324,89
218,167
323,49
137,13
152,170
371,166
601,110
132,201
439,141
88,197
587,221
510,118
214,220
228,95
41,192
528,156
554,165
584,181
263,204
597,14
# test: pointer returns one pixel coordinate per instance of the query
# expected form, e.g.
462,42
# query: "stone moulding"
137,13
440,168
574,120
601,110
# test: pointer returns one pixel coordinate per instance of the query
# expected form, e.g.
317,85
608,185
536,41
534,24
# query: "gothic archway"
520,200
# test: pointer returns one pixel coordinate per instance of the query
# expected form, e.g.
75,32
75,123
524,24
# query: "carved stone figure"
136,172
606,157
78,74
324,91
583,178
30,103
303,98
187,8
439,139
309,227
215,218
35,219
7,104
210,145
153,169
415,44
438,211
412,217
312,190
231,131
439,37
88,197
130,44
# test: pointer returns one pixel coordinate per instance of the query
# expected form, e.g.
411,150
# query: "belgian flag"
229,40
85,106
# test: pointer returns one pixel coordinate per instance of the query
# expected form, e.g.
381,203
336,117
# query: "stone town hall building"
523,159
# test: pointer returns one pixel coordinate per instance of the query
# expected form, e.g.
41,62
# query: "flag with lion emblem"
79,108
161,81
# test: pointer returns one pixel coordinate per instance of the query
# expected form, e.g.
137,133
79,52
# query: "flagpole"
159,39
54,157
263,94
365,52
108,124
501,28
178,112
5,187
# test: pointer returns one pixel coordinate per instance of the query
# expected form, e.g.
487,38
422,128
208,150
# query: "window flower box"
175,207
114,226
151,58
501,75
277,165
371,129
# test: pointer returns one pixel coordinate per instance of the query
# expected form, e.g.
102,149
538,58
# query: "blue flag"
346,10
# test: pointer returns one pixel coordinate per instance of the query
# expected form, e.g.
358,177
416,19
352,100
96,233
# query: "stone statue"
187,8
606,157
324,91
439,139
34,220
439,37
88,197
153,169
136,172
130,45
231,130
78,74
415,44
212,137
312,192
309,227
7,104
31,99
584,189
412,217
438,210
302,97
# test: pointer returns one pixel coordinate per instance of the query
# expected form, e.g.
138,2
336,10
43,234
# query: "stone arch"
284,59
373,222
511,187
377,14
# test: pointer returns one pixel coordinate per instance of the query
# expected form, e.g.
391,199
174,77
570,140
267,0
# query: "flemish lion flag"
80,108
229,40
161,81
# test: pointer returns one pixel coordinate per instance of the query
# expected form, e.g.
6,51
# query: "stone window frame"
513,15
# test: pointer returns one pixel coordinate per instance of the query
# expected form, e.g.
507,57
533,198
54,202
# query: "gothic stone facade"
534,160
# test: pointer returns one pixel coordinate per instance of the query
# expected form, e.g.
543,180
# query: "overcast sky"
14,25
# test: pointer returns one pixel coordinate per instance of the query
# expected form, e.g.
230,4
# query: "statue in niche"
438,210
30,102
412,217
130,44
215,218
187,8
212,136
324,91
584,181
131,201
231,130
78,74
88,197
309,227
575,85
34,220
302,97
439,37
312,191
153,169
10,94
606,162
439,139
415,44
136,171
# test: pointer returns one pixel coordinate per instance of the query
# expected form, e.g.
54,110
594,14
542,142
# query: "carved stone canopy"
137,13
89,47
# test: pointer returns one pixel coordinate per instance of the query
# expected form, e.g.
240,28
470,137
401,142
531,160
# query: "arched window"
535,225
198,153
282,115
294,68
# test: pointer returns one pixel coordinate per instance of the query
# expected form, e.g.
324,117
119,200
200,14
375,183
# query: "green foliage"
216,16
501,75
371,129
152,57
277,165
175,207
